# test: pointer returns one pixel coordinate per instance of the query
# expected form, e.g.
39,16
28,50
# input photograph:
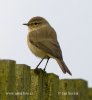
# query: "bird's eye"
35,23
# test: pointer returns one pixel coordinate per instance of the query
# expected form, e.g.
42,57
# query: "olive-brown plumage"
42,41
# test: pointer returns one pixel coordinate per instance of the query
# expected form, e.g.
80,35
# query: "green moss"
7,79
19,82
23,81
89,93
37,84
72,89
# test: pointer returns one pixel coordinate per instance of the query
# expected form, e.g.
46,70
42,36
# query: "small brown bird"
42,41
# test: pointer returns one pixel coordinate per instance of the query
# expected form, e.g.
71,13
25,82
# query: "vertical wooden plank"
7,79
82,87
89,94
17,82
37,84
72,89
44,86
23,80
52,87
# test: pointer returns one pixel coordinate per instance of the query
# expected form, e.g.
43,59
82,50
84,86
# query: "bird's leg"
46,64
40,62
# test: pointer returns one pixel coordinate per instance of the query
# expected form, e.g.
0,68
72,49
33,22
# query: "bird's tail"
63,66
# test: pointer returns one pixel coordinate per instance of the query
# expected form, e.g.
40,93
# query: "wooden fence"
20,82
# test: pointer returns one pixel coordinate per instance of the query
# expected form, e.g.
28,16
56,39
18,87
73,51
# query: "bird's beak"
26,24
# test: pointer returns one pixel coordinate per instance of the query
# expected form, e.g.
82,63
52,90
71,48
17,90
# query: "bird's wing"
50,47
46,43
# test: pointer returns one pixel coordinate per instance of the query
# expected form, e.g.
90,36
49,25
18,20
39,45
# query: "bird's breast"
36,51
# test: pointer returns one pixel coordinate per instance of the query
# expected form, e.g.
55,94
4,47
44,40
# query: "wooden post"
89,94
52,87
7,80
74,89
44,86
23,81
37,83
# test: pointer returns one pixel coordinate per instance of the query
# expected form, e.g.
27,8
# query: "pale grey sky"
72,20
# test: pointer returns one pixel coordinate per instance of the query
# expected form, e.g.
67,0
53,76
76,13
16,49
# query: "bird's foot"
38,70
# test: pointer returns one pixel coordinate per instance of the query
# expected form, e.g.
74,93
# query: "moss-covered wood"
23,81
19,82
7,79
37,84
52,87
89,93
44,86
72,89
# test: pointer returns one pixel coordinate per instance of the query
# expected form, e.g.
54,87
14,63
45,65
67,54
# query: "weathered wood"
7,80
44,86
37,84
19,82
72,89
89,94
23,81
52,87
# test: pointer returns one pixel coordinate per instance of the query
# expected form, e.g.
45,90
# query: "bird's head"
36,23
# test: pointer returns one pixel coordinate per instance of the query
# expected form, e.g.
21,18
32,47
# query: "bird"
43,43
